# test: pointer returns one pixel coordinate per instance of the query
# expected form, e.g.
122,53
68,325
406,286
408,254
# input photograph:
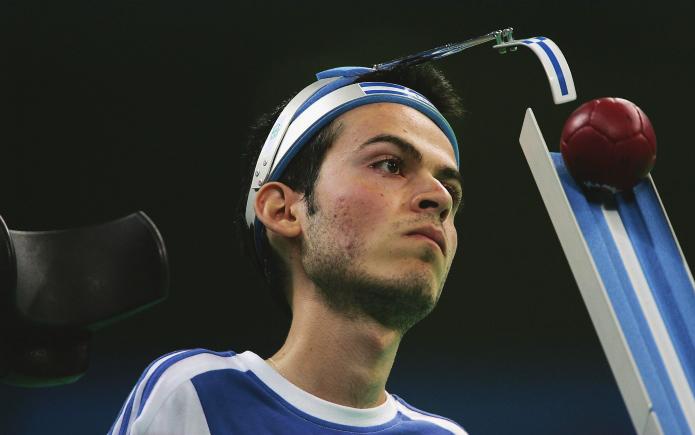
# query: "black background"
111,107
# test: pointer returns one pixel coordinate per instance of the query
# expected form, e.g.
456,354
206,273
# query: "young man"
351,212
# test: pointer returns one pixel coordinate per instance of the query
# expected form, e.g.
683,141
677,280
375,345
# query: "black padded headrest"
58,286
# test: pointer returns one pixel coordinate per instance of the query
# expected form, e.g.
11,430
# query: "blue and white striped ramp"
635,283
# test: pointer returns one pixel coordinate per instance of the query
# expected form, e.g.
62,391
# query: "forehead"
362,123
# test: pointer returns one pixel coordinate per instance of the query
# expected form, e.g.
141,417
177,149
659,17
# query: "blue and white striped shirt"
200,392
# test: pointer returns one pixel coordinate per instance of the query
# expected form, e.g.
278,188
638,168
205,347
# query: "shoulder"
166,381
165,374
419,415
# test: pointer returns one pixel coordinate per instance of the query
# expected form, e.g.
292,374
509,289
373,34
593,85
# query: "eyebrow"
443,172
399,142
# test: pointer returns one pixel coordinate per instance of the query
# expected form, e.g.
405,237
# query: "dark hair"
302,172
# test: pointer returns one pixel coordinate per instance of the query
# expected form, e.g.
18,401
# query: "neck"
340,359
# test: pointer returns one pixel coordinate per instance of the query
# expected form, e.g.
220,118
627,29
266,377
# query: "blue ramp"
635,283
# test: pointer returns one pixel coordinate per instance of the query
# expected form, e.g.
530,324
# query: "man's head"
365,210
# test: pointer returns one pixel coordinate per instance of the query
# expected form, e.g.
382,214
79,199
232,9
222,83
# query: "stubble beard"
397,302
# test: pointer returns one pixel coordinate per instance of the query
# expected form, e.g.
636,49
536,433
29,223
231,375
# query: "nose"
432,197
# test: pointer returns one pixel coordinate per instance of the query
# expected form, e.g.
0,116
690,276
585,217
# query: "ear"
274,207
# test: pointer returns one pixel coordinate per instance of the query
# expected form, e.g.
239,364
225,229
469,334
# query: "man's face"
383,238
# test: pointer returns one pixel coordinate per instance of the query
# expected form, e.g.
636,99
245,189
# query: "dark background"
117,106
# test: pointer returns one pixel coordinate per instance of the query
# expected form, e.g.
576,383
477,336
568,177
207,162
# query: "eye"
391,165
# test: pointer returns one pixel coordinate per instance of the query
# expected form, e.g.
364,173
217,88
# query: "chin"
415,276
417,268
393,289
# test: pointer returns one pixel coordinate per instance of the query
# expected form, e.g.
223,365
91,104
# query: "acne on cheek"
356,211
343,219
355,206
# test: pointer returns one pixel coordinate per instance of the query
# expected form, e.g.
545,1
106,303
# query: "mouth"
430,234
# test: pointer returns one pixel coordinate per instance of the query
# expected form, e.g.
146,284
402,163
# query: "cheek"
450,231
355,214
452,240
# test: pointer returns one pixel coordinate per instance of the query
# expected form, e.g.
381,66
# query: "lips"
432,233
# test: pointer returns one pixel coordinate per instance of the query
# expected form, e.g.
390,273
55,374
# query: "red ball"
608,143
